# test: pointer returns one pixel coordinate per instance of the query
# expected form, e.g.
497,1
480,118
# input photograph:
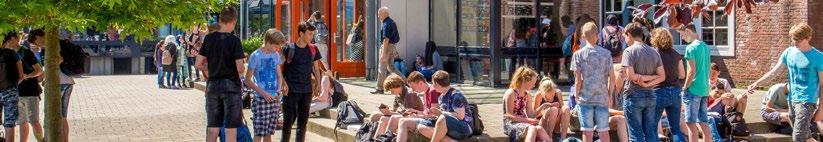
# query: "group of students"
21,75
174,57
287,75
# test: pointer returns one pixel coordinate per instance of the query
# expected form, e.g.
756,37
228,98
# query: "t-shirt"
10,58
700,53
389,30
431,97
594,64
726,86
298,72
777,94
221,50
265,70
29,87
803,68
455,100
671,60
408,100
644,60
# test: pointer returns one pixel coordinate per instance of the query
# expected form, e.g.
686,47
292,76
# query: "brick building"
745,46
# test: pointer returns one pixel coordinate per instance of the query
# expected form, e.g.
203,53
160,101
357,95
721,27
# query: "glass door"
347,38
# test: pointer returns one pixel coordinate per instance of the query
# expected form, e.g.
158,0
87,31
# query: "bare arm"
20,75
509,98
201,64
612,79
38,71
578,83
819,113
768,76
535,102
250,82
240,67
661,76
681,71
284,88
689,74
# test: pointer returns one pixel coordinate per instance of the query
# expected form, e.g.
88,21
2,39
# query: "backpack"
348,112
339,94
243,133
74,58
387,137
365,133
736,123
289,52
168,58
567,46
612,41
6,81
477,124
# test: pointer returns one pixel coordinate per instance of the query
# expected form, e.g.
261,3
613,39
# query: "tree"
136,17
682,12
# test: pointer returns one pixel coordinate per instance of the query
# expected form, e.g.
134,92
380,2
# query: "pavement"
131,108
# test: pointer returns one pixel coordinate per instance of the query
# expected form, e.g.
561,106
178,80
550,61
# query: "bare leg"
741,103
267,138
381,127
692,131
604,136
231,133
588,136
406,124
550,115
257,139
211,136
426,131
531,134
707,132
38,130
66,130
10,134
393,122
622,129
440,129
565,116
541,133
24,132
375,116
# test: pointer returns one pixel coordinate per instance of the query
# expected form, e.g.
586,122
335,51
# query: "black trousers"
295,106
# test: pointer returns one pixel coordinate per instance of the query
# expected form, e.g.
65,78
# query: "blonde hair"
522,75
589,29
547,85
661,39
801,31
274,36
393,81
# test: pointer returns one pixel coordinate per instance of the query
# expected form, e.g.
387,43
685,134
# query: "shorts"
773,118
695,108
65,90
593,118
264,115
29,108
223,104
9,99
457,129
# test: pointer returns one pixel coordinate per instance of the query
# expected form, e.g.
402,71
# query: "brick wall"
816,21
760,38
575,8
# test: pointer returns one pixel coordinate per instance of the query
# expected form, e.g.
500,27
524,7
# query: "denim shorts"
223,104
695,108
65,90
593,118
457,129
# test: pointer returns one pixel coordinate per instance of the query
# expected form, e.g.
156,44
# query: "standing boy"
696,86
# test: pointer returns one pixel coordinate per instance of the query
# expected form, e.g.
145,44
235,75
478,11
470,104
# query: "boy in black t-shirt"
29,101
11,74
223,53
297,70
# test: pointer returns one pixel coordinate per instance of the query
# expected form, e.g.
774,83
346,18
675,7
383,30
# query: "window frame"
716,50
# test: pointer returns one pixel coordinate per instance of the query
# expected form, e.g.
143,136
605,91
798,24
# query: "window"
443,21
611,7
717,31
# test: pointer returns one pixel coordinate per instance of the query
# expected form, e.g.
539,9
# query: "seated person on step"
406,104
716,82
549,94
452,116
323,100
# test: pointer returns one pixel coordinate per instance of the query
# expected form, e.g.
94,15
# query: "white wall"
412,18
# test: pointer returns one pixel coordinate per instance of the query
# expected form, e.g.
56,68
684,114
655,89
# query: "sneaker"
377,92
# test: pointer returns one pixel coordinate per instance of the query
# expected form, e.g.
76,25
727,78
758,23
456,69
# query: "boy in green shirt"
696,86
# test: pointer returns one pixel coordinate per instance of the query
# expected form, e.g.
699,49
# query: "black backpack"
349,113
74,58
737,126
477,124
386,137
365,133
612,41
339,94
7,81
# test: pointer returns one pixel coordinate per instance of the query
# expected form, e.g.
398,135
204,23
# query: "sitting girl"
521,120
549,95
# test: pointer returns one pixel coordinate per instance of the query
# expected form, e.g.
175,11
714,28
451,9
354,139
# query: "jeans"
713,117
593,118
696,108
640,112
191,68
295,106
160,75
801,114
171,78
183,75
668,100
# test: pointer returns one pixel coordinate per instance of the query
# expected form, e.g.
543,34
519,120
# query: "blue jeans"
668,100
593,118
171,78
696,108
713,125
640,112
160,75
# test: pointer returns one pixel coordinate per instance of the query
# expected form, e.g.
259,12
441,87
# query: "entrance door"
348,50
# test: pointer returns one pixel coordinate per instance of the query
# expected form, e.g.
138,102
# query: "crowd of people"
21,78
174,58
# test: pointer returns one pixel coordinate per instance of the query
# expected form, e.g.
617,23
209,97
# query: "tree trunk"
52,87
